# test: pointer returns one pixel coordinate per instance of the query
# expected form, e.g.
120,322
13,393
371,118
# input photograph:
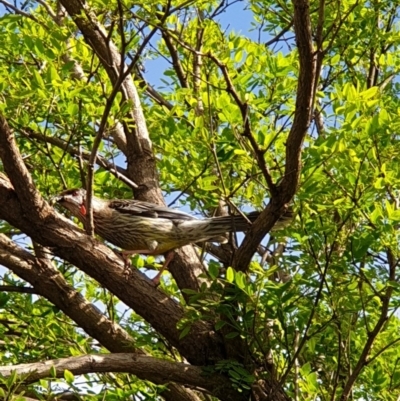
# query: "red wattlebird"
145,228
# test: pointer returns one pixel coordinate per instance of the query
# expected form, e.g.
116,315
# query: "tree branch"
302,117
279,35
15,288
145,367
49,282
176,63
25,208
17,11
118,172
372,335
141,161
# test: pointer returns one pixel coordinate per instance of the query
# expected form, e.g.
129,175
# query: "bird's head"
74,200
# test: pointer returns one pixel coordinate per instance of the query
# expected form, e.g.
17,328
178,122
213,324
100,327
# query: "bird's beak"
56,199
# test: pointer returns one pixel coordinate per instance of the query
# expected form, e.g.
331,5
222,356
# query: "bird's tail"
214,229
232,223
243,223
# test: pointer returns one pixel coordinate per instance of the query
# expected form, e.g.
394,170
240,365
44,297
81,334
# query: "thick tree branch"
177,392
175,59
302,117
25,208
100,262
145,367
304,100
14,166
49,282
141,161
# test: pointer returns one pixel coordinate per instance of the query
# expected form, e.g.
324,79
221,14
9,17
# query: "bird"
139,227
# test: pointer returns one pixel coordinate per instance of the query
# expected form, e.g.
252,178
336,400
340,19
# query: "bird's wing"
146,209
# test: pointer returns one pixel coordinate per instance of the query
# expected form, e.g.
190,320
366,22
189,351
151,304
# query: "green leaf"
4,298
306,369
73,109
213,270
371,92
184,332
69,377
240,280
12,379
220,324
234,374
53,372
376,214
335,59
38,79
230,274
231,335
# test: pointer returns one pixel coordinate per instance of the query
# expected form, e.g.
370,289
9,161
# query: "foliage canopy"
158,100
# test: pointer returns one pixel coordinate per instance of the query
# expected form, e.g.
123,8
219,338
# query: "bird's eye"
75,192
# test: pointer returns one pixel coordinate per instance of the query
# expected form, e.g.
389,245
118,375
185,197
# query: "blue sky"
236,18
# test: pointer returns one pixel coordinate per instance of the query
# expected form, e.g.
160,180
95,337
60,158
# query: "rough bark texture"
139,152
145,367
23,206
50,283
72,244
286,190
67,241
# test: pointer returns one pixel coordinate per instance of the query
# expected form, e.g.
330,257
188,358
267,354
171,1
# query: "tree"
303,115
